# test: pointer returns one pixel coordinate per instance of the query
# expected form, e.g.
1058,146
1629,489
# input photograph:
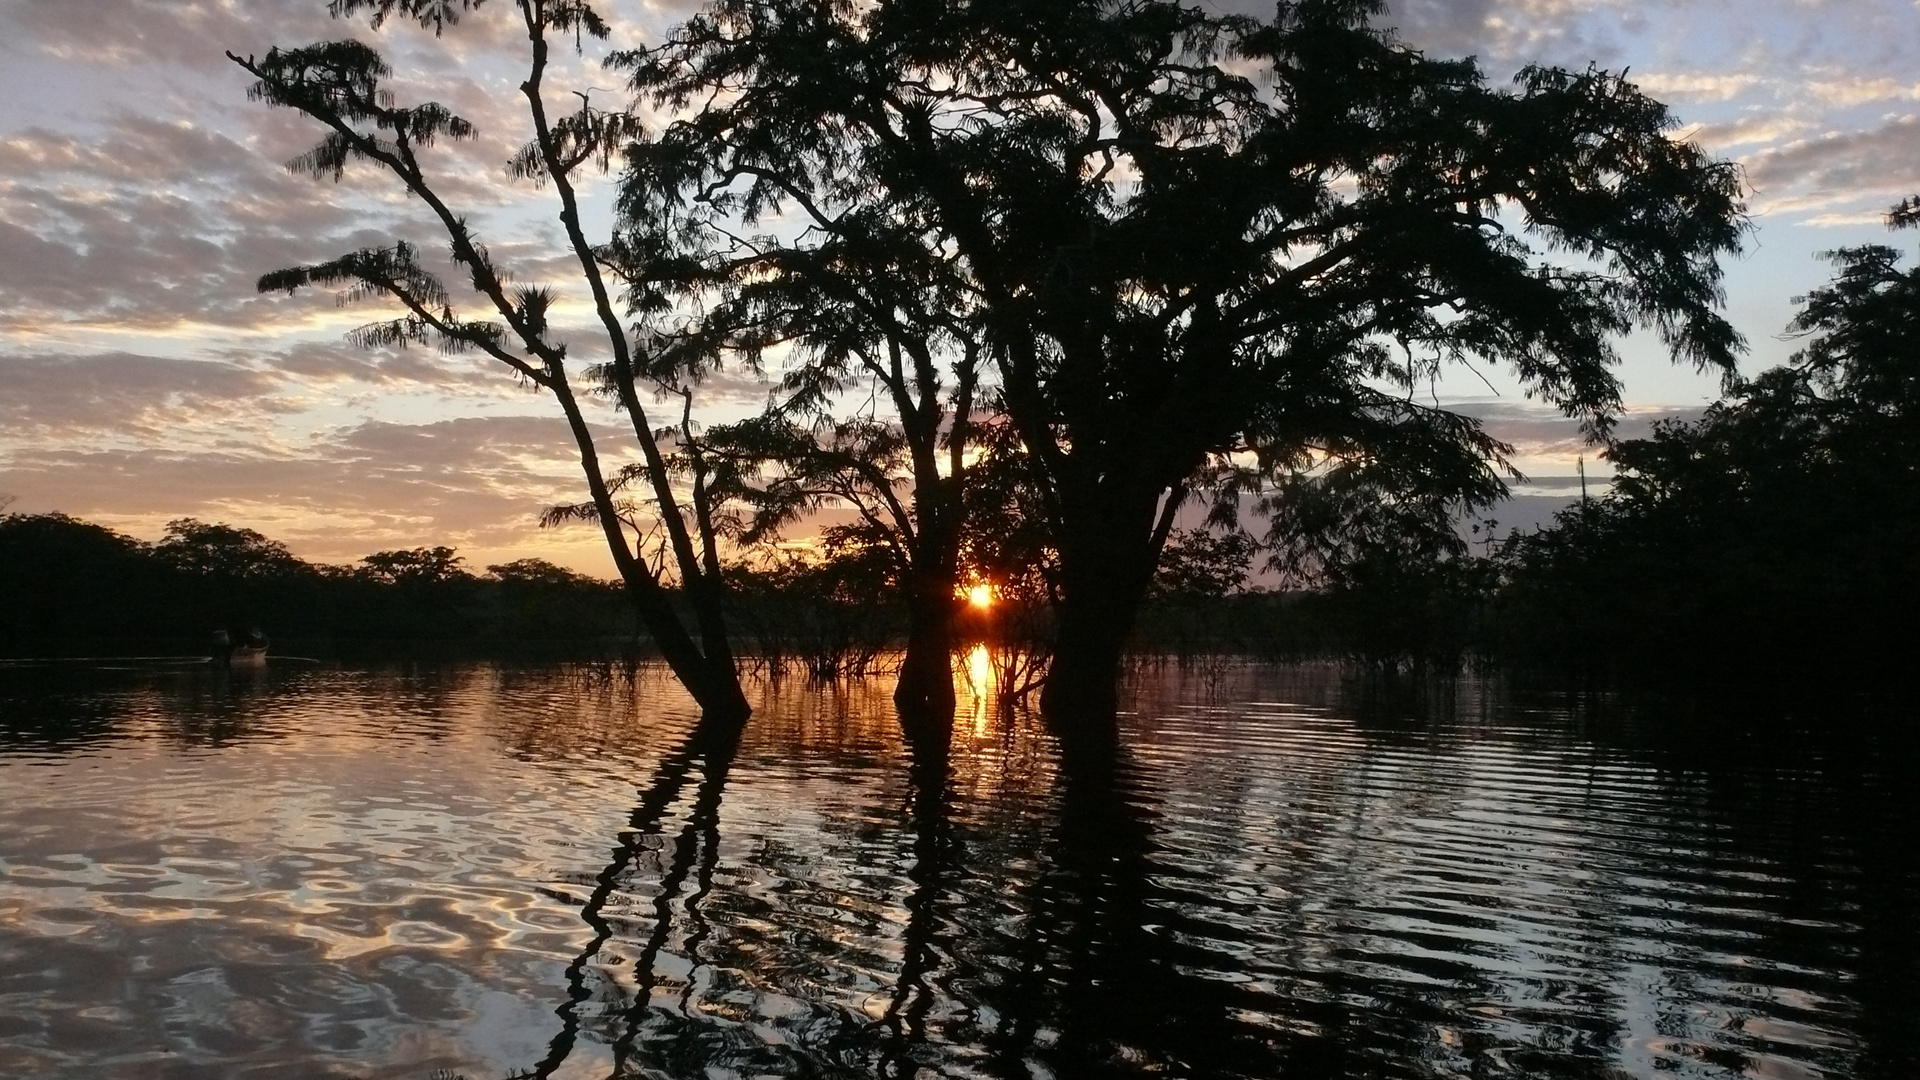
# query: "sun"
980,596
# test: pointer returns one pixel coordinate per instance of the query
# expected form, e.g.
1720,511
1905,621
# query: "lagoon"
495,870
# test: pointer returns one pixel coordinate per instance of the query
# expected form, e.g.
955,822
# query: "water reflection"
477,869
710,748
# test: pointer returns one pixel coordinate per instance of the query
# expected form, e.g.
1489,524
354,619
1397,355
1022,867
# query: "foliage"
416,567
1194,241
1776,533
195,547
822,613
345,87
1200,563
69,580
76,587
1093,261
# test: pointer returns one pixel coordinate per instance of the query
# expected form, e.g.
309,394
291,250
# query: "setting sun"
980,596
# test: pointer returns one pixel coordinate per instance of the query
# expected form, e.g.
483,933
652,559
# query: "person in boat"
249,650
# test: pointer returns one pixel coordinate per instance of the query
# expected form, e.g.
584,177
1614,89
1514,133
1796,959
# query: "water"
332,873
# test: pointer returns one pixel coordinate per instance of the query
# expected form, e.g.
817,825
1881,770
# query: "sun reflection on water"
979,670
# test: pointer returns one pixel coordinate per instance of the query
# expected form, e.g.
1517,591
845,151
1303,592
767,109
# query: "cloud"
1544,439
1748,131
471,481
149,223
319,366
1506,34
177,33
1712,87
123,395
1863,90
1878,163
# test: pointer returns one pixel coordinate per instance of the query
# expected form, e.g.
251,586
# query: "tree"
341,85
67,581
415,567
541,573
200,549
1199,241
866,296
1775,535
863,462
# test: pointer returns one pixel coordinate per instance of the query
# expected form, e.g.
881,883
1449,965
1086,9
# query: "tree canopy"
1198,243
1097,261
345,88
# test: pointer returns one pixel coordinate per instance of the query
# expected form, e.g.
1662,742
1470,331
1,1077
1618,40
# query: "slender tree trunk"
713,681
718,693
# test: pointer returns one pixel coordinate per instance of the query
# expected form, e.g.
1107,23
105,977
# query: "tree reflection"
936,853
710,748
1109,986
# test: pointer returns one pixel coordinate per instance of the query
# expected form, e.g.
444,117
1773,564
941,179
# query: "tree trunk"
718,691
1082,682
925,690
711,680
926,672
1106,563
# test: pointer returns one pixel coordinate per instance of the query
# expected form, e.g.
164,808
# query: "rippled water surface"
492,871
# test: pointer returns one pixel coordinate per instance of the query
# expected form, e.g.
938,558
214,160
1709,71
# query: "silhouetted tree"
1778,534
540,602
68,581
224,576
822,610
893,474
872,307
1203,563
1184,613
226,551
416,566
1197,240
343,86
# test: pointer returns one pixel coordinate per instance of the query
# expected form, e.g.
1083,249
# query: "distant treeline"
72,587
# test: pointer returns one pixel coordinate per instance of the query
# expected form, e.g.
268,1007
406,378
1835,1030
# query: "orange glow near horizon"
980,596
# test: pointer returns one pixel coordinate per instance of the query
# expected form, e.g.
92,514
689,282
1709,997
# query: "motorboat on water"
250,651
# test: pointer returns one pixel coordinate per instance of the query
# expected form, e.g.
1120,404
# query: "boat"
249,652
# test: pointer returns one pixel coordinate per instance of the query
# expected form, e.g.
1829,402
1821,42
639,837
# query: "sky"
141,195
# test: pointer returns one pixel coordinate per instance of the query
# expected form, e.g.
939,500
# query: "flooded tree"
1200,240
344,87
880,336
